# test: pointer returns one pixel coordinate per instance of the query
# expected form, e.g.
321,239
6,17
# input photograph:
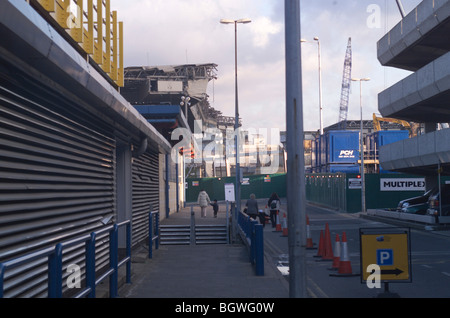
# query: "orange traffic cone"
321,250
309,241
278,226
328,254
337,254
345,267
284,225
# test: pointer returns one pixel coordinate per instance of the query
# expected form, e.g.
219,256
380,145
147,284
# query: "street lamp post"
363,183
185,101
320,82
236,122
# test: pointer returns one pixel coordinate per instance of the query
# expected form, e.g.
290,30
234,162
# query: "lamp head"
226,21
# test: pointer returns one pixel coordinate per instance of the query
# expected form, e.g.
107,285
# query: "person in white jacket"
204,201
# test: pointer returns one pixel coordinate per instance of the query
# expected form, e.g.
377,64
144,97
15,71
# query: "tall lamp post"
320,82
363,183
185,101
236,123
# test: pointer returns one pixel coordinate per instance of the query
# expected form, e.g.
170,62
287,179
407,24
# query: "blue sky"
165,32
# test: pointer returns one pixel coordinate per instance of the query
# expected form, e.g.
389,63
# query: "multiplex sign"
389,250
402,184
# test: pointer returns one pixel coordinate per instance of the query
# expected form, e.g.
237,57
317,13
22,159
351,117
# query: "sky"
175,32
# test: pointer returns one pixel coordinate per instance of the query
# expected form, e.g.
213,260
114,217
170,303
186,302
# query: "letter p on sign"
385,257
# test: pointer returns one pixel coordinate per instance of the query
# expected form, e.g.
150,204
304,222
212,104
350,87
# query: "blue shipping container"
334,168
385,137
382,138
337,146
342,147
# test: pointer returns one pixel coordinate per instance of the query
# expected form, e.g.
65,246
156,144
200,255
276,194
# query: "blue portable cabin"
385,137
336,151
344,168
342,146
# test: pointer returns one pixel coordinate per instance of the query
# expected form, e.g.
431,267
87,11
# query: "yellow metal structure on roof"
92,25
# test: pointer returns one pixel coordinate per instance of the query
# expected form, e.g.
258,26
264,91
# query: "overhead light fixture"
229,21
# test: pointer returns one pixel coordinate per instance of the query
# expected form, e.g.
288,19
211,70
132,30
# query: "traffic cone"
337,254
321,250
309,241
278,226
328,253
345,267
284,225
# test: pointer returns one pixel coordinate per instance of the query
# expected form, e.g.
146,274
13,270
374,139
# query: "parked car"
416,205
434,199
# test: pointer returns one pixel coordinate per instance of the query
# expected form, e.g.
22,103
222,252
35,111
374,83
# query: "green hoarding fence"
260,185
338,191
343,191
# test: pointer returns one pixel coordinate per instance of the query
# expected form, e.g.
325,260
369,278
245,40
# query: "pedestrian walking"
204,201
274,206
252,207
215,207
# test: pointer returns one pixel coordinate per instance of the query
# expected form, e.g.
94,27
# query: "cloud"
262,28
161,32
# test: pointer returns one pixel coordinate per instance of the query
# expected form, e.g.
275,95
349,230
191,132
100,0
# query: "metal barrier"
252,234
55,262
153,228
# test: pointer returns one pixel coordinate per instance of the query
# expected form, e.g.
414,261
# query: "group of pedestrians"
273,206
204,201
252,210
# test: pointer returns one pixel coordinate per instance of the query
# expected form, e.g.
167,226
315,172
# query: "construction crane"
346,83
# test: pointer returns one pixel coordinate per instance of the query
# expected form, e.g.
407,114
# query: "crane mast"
346,83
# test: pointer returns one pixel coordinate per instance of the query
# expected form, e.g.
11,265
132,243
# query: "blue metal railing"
252,234
153,232
55,263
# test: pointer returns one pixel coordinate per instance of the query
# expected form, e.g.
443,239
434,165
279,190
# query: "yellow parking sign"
388,248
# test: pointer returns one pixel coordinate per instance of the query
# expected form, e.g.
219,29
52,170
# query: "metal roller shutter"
57,179
145,193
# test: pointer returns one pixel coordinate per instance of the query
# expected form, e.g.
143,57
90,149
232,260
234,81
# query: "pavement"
202,271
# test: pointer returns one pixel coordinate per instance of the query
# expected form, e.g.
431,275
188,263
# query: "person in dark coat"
252,207
274,206
215,207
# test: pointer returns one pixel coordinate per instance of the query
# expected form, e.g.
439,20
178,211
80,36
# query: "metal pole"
363,183
439,186
363,178
236,123
295,152
320,87
400,7
192,231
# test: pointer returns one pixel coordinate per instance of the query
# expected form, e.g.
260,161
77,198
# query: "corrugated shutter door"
145,193
56,178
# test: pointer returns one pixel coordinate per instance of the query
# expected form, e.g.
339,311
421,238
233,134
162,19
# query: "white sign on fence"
229,192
